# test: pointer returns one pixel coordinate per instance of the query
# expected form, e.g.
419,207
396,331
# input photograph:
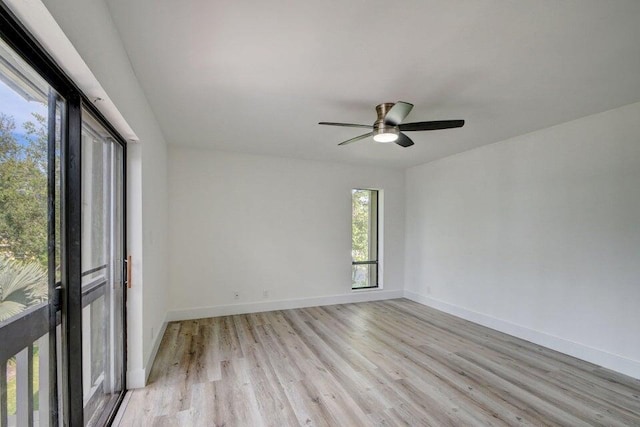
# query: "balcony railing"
24,361
24,368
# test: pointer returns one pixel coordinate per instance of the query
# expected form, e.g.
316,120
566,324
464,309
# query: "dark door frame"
66,303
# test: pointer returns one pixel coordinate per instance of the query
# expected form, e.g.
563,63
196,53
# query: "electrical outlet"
236,295
265,294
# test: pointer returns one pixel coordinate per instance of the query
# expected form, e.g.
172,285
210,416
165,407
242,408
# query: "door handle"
129,265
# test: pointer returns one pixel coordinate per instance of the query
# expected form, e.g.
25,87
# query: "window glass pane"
27,122
23,185
364,275
96,152
361,200
364,238
102,255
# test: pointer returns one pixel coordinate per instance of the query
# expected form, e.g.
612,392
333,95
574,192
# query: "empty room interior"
219,213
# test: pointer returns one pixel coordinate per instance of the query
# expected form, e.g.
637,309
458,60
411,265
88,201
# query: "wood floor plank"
564,386
386,363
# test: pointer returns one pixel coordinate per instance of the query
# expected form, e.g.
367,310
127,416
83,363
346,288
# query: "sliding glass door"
102,270
62,245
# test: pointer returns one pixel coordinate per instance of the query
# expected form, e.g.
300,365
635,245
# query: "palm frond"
9,309
21,285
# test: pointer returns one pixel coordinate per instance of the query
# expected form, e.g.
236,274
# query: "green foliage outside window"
23,215
360,224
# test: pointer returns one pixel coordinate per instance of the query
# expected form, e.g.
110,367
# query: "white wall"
538,236
251,223
89,27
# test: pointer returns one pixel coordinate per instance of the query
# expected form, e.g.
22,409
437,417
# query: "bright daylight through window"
364,239
30,113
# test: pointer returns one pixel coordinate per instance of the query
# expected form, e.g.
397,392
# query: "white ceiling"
257,76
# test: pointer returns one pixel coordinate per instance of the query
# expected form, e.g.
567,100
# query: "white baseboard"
138,378
257,307
154,350
135,378
611,361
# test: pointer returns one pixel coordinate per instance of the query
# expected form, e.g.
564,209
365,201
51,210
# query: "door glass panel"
102,284
30,134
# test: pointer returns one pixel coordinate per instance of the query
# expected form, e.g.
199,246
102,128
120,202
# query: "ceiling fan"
389,126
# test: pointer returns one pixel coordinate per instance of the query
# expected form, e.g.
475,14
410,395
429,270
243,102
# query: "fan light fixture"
385,137
385,134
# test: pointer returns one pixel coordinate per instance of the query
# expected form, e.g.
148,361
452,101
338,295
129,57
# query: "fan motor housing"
379,127
382,110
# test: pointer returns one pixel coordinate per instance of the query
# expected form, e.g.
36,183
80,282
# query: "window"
364,239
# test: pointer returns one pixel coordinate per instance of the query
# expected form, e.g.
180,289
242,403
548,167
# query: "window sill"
376,288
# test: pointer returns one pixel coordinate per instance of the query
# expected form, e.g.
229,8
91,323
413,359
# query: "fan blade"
357,138
404,141
397,113
349,125
435,125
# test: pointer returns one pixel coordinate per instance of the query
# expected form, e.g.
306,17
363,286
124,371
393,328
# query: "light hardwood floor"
377,363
